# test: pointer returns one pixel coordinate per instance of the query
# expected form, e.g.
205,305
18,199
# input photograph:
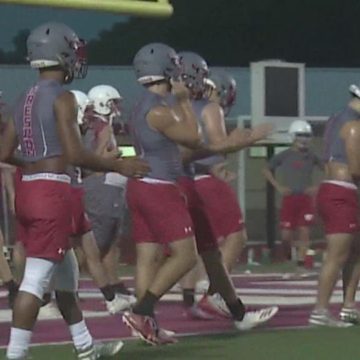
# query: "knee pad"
37,276
66,276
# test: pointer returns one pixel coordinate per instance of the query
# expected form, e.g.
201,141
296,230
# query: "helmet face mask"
194,73
105,101
225,87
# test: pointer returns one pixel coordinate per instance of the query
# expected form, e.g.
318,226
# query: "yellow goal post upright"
140,8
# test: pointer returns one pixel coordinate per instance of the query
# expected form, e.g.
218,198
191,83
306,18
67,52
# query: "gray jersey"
161,153
203,166
35,121
101,199
90,138
334,145
296,168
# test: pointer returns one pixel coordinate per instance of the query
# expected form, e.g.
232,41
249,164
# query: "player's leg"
227,221
19,259
337,253
149,205
304,220
340,218
303,244
232,247
105,233
36,280
209,224
351,275
6,275
149,258
44,211
66,279
287,226
110,261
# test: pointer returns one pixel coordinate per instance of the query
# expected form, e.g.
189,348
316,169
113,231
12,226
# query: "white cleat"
256,318
120,303
324,318
350,315
108,349
100,350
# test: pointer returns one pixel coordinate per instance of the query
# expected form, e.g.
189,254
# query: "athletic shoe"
86,354
214,305
255,318
108,349
166,337
324,318
350,315
164,332
196,312
100,350
144,326
120,303
25,357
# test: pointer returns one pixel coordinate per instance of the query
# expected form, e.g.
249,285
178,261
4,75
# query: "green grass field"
310,344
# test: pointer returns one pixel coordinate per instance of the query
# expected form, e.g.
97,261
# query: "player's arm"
269,171
178,124
9,143
103,140
182,129
350,133
9,187
219,141
75,152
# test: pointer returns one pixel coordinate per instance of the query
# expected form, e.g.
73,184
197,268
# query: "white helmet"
354,90
300,127
105,100
82,101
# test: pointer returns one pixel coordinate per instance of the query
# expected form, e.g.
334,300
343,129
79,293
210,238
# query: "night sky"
87,23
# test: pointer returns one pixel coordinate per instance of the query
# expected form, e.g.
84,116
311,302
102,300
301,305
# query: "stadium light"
156,8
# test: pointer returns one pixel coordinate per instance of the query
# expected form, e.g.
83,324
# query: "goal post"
140,8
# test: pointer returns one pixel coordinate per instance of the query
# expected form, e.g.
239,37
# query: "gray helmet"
194,72
225,87
55,44
156,61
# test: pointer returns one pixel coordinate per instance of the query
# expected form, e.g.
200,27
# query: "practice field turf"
286,337
309,344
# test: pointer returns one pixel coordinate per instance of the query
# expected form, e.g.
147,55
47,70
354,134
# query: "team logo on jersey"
308,217
298,164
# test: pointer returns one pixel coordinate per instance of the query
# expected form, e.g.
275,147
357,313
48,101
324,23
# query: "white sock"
82,339
19,343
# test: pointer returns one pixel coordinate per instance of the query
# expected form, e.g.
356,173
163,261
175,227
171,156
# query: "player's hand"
179,89
239,137
221,172
132,167
261,131
112,154
283,190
